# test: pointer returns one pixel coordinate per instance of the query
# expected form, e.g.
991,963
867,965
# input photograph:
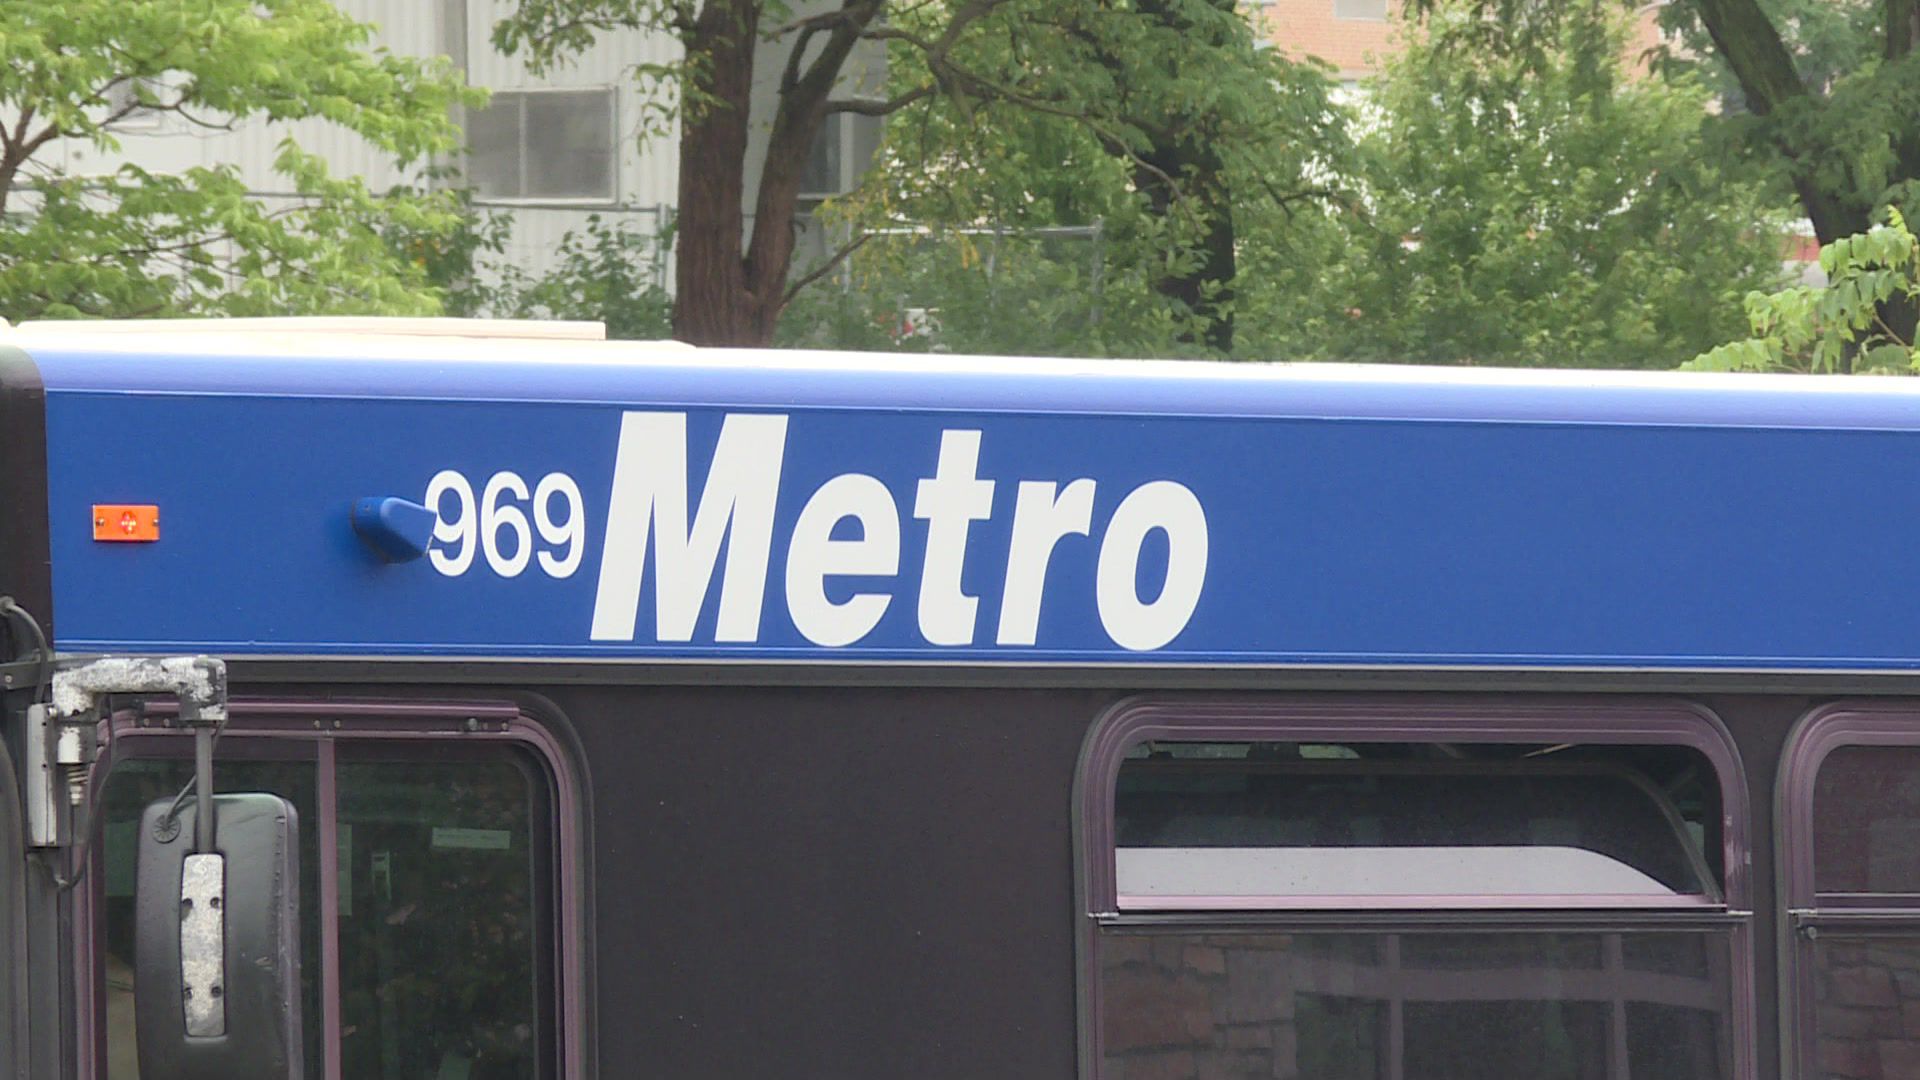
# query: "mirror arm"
203,819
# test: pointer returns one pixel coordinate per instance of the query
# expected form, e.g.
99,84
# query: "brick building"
1356,35
1349,34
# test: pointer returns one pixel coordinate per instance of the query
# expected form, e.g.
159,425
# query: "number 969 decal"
497,525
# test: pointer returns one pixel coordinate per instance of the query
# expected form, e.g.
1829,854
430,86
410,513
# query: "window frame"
1403,720
362,724
843,127
610,198
1801,917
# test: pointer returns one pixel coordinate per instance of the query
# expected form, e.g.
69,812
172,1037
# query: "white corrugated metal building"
550,149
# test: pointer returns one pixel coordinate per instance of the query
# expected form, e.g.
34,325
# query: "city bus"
444,700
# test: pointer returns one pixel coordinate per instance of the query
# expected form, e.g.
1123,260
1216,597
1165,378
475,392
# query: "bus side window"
443,910
443,900
1851,849
1285,897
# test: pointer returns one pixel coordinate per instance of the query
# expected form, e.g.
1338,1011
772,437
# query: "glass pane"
134,784
493,147
866,132
1194,826
1866,1007
1866,821
1508,1038
822,174
441,904
1452,1006
570,145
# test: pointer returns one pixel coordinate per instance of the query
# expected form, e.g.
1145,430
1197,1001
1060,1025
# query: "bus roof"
532,361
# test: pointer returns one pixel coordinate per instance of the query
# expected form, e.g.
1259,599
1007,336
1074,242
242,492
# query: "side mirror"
217,941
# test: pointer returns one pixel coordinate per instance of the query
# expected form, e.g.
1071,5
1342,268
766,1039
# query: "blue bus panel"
713,506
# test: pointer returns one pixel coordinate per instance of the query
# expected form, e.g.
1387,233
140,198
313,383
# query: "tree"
1143,83
1201,130
1828,39
1840,326
731,278
1842,123
1536,208
1839,123
132,242
1846,139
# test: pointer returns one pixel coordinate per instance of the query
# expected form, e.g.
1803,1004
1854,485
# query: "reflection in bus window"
1460,1006
1866,993
1866,821
1863,971
438,912
1423,835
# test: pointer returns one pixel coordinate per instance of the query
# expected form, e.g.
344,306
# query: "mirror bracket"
61,735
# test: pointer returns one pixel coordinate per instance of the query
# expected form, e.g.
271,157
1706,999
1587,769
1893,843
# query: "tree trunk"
1183,168
1752,47
725,296
1206,289
805,88
711,303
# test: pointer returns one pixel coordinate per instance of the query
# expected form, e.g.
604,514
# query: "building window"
429,895
1387,892
544,144
841,152
1369,10
1851,843
124,102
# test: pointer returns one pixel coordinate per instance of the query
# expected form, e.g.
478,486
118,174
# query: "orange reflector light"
126,524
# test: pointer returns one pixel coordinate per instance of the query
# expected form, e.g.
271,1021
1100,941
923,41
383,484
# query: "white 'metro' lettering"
650,488
649,509
951,500
813,556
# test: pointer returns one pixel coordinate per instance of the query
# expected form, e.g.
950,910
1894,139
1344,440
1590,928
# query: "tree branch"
1903,27
1748,40
833,262
812,23
880,108
790,76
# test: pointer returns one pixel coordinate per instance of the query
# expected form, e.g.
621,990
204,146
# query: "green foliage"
1524,208
609,273
1488,204
454,261
1163,123
133,242
1840,327
1026,294
1845,133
